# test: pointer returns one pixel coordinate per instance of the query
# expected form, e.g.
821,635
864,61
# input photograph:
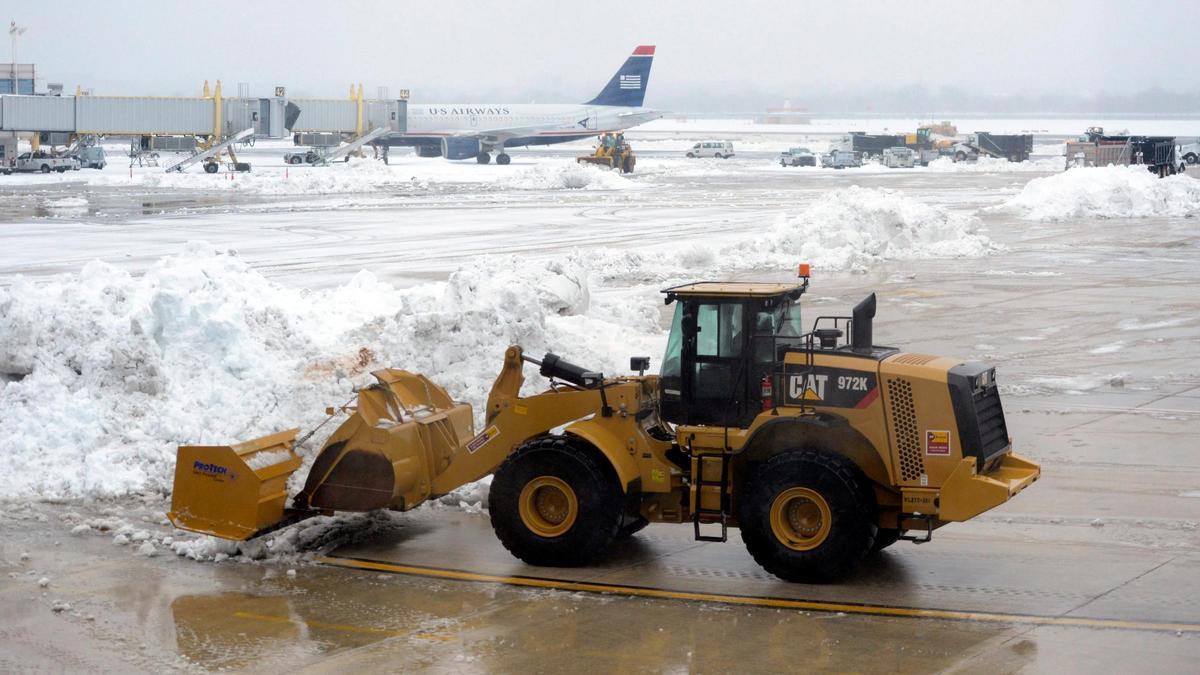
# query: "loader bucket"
234,491
404,432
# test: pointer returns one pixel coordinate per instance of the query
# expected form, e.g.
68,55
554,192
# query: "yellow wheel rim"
548,506
800,518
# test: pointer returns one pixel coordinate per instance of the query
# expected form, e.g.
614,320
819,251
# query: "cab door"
714,373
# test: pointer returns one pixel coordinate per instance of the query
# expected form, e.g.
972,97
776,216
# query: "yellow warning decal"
482,439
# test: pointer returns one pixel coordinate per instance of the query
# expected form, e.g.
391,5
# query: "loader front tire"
807,516
555,503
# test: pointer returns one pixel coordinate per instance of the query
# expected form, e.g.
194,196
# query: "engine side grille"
904,426
913,359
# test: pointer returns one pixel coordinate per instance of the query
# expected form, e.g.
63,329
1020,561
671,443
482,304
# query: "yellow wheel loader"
612,151
820,445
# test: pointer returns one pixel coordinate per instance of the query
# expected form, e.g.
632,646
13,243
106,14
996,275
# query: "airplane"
466,130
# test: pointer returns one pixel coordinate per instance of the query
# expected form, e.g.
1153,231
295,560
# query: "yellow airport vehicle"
821,446
612,151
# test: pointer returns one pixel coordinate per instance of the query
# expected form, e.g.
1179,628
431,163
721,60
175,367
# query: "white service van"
718,149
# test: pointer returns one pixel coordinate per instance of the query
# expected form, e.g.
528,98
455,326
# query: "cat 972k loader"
820,445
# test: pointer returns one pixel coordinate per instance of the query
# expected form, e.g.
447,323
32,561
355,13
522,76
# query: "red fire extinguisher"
768,393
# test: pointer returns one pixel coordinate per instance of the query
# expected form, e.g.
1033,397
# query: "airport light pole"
14,31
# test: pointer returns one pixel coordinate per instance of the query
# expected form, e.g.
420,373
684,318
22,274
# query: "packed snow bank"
566,177
854,227
995,165
1105,192
339,178
105,373
847,229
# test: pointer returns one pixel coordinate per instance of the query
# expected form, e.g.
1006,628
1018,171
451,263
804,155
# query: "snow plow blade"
235,491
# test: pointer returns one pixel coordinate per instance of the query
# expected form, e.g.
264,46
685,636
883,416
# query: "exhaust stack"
861,328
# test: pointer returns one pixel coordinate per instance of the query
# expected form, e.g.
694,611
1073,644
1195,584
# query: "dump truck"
1013,147
1159,154
867,145
820,445
612,151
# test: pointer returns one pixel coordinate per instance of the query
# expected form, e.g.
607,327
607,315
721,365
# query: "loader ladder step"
709,515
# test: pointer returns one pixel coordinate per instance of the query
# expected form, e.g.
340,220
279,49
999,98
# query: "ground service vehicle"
1189,152
8,154
40,161
718,149
612,151
821,446
91,157
840,159
797,157
899,158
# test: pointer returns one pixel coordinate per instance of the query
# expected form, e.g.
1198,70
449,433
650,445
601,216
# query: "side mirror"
639,363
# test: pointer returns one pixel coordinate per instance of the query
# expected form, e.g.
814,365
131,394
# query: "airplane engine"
429,151
460,148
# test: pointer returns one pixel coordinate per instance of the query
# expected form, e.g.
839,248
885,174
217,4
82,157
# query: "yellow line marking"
778,603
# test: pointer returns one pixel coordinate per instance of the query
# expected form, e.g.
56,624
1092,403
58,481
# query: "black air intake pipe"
860,334
552,366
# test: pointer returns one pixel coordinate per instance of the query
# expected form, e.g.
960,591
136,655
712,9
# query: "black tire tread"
852,511
600,510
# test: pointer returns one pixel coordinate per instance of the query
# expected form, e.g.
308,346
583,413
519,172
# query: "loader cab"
725,338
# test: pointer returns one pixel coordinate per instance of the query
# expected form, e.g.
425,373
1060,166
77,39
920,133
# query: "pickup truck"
797,157
30,162
840,159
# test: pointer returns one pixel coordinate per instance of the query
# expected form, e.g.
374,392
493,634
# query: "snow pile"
847,229
986,164
571,176
66,204
311,537
105,373
1105,192
338,178
853,227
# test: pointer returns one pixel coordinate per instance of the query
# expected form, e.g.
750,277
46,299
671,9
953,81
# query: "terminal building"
205,122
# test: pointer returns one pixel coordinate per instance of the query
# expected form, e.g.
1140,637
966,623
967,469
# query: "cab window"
720,327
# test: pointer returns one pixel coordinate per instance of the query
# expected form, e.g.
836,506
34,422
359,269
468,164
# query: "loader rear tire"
807,516
554,502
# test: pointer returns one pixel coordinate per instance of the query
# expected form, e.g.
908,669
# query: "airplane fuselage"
539,123
475,130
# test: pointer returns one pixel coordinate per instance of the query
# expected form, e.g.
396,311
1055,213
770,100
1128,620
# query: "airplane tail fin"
628,87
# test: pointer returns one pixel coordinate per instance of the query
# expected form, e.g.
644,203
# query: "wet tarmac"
1093,325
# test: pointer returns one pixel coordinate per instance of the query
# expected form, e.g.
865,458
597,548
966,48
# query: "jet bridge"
211,115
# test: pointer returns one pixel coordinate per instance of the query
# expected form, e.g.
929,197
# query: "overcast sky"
550,51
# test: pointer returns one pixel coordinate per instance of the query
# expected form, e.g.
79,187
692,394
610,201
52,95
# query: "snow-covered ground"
140,310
